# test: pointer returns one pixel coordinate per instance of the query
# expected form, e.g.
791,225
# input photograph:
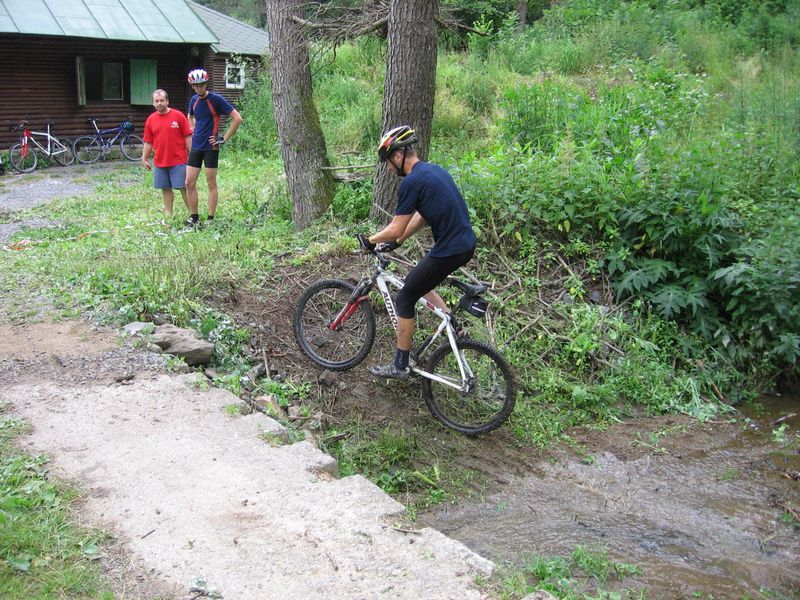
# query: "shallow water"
696,507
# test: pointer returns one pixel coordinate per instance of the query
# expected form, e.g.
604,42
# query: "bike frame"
28,137
383,279
107,137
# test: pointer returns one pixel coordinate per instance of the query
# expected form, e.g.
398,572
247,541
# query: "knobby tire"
132,146
23,164
336,350
484,407
87,149
62,152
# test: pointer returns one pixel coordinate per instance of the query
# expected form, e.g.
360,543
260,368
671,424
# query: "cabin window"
234,75
112,81
100,80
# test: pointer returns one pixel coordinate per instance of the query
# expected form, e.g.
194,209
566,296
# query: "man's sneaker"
391,371
190,222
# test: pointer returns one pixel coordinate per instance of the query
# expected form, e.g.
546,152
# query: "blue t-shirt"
431,191
206,122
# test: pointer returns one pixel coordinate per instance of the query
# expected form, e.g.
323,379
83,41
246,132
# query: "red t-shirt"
168,133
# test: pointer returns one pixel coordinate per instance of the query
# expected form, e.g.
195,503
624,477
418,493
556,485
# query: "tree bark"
409,88
299,131
522,14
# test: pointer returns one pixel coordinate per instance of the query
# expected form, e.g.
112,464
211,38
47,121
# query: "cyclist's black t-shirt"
431,191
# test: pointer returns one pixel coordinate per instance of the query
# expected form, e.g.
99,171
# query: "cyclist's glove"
364,243
388,246
220,140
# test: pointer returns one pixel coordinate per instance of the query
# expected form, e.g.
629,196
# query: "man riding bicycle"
427,195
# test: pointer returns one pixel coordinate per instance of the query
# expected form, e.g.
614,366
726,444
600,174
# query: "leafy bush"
259,134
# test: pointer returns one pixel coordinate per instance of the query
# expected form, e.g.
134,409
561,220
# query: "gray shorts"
166,178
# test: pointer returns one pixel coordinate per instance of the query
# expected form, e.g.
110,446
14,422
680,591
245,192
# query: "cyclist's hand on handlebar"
364,243
388,246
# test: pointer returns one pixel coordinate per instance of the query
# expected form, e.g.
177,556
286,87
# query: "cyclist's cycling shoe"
390,371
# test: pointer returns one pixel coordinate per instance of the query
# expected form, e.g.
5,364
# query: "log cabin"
68,60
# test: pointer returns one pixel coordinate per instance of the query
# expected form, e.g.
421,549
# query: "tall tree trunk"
299,130
409,88
522,14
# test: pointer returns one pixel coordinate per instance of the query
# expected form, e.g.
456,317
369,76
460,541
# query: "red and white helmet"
197,76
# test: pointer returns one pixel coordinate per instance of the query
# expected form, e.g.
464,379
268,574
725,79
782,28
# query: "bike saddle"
467,288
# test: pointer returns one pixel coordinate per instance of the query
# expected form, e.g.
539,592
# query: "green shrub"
259,134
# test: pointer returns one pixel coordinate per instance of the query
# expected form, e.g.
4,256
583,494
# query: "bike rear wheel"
350,343
22,159
62,151
491,396
131,147
87,149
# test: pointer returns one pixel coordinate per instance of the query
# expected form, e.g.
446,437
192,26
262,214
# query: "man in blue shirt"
205,109
427,195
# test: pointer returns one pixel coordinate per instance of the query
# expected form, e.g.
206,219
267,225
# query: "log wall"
39,82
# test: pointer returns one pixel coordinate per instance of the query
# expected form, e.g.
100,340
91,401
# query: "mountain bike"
89,148
467,384
22,155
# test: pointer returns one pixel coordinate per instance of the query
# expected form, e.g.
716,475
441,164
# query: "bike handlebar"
20,125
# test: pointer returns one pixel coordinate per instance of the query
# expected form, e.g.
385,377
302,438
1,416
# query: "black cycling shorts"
198,157
426,276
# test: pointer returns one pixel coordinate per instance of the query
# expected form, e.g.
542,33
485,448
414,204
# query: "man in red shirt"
167,132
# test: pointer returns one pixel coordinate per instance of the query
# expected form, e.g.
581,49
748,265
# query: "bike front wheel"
131,147
347,345
87,149
490,396
62,152
22,159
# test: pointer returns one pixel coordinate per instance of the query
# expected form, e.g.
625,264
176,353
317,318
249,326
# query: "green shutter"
80,80
143,81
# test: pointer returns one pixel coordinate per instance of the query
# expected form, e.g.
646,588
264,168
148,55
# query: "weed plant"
582,574
43,552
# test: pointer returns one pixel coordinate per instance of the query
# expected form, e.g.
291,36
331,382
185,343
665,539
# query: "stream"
699,508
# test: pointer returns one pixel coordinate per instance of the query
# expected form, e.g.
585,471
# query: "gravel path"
194,493
19,192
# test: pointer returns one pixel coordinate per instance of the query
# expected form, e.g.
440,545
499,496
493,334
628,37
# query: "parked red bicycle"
22,155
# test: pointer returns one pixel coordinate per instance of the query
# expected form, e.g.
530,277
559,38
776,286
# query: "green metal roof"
135,20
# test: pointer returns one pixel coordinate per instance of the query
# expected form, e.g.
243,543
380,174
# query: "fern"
670,300
648,271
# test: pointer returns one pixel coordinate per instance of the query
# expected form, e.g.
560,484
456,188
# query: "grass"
581,575
44,553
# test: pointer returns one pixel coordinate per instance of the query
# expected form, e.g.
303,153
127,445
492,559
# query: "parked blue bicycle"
89,148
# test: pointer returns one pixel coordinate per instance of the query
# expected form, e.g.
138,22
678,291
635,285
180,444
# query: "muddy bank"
699,508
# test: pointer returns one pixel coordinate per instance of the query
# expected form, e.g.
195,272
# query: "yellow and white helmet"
396,139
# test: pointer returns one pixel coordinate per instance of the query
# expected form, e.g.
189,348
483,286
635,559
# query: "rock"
540,595
155,348
361,392
258,370
328,378
294,412
269,404
183,343
139,328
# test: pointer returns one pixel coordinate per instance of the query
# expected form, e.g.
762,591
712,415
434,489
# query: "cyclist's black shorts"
426,276
198,157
